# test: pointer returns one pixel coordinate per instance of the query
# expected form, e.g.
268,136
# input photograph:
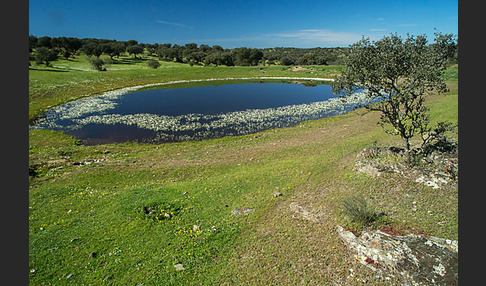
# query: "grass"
357,209
90,219
73,79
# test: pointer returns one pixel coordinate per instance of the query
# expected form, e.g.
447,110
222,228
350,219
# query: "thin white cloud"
380,19
319,37
174,24
377,30
307,38
406,25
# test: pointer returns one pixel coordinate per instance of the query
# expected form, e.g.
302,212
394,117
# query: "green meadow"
126,214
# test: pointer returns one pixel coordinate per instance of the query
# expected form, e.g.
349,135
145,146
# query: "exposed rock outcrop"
436,170
415,259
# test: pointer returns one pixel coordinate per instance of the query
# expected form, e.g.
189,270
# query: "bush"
436,138
153,64
97,63
357,210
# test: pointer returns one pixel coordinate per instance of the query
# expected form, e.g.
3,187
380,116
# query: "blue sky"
247,23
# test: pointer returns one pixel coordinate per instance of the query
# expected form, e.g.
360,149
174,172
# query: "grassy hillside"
69,80
125,214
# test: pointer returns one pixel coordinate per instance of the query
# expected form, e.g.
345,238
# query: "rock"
58,161
244,211
178,267
415,259
367,161
107,278
436,170
302,213
69,276
432,180
277,194
370,169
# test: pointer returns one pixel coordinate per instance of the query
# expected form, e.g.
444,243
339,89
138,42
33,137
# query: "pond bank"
125,90
95,110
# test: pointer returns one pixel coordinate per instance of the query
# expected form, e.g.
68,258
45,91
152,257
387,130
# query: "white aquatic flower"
199,125
246,121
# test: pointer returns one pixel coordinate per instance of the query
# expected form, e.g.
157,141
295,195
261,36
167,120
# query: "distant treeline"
46,49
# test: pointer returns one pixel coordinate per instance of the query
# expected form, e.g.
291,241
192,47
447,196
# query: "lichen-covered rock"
436,170
416,259
244,211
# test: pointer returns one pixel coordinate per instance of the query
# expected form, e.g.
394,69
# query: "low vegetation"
68,80
357,210
127,214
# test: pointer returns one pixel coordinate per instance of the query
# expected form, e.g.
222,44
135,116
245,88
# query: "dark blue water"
210,100
193,113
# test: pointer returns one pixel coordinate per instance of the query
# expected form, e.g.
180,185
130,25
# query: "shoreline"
113,93
123,90
200,126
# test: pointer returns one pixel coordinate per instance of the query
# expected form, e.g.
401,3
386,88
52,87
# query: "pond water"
208,110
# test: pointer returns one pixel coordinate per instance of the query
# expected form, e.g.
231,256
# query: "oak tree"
400,73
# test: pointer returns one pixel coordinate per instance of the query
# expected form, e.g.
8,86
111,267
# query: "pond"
195,110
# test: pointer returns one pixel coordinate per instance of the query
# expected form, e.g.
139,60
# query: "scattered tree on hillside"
189,53
118,48
247,57
92,48
44,42
287,61
45,55
400,73
192,53
32,43
134,50
132,42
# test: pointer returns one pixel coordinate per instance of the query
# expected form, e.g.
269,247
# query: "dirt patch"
315,215
297,68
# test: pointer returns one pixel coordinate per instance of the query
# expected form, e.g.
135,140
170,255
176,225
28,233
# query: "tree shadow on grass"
47,70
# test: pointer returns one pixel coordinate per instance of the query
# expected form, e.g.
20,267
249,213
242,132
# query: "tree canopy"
399,72
189,53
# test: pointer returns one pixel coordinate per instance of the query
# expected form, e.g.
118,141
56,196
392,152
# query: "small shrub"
357,210
436,139
153,64
97,63
159,211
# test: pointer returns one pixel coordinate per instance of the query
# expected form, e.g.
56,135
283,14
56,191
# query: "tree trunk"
406,145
